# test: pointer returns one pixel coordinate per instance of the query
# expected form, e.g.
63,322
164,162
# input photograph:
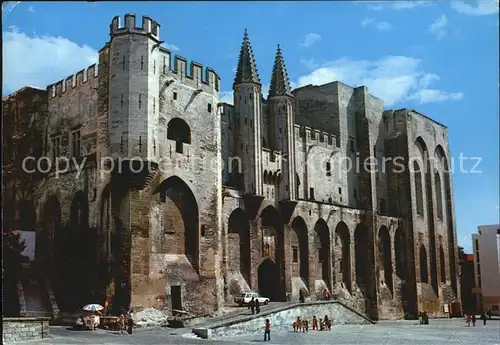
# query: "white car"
245,298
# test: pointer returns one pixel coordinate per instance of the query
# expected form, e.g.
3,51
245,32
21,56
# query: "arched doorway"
83,258
27,216
273,247
239,244
365,278
385,259
323,257
47,246
300,250
343,254
180,220
269,280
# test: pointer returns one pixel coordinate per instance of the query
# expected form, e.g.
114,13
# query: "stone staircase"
33,298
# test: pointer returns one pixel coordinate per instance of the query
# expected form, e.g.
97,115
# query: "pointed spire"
280,85
246,72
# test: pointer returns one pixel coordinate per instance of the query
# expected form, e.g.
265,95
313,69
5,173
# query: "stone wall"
281,320
21,329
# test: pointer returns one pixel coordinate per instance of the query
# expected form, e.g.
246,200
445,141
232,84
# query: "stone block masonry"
22,329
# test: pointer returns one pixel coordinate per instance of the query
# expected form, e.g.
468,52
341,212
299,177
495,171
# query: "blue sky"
439,58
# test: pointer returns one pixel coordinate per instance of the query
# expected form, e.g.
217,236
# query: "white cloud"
394,79
31,9
310,39
379,25
41,60
309,63
430,96
397,5
437,28
482,8
172,47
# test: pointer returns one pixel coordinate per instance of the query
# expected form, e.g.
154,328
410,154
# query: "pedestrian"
306,326
294,326
299,324
328,324
301,296
489,313
315,323
251,305
130,324
267,331
468,319
257,306
484,318
473,319
121,323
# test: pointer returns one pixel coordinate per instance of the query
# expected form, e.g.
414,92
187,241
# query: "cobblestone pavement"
438,332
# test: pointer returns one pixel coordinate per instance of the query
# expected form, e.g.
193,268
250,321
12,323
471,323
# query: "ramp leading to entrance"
282,319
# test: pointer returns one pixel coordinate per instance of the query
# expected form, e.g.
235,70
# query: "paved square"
438,332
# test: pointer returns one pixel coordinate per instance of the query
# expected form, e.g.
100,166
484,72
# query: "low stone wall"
21,329
282,319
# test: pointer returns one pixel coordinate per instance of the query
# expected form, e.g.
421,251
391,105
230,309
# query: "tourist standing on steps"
267,331
473,319
315,323
251,305
257,306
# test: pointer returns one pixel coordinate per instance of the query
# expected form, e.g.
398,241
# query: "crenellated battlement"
271,159
316,137
73,81
149,26
195,76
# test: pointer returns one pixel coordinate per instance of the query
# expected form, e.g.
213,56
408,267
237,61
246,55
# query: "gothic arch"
180,132
439,194
323,256
299,242
400,254
365,264
46,247
448,208
424,273
429,211
343,253
419,196
273,249
27,215
105,222
79,214
82,258
385,258
239,243
180,219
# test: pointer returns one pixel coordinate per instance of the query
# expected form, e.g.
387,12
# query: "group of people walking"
254,306
471,318
303,325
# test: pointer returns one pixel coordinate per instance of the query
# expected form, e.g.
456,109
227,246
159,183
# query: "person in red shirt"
315,323
267,331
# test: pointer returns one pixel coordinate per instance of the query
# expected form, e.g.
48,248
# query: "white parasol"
93,307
